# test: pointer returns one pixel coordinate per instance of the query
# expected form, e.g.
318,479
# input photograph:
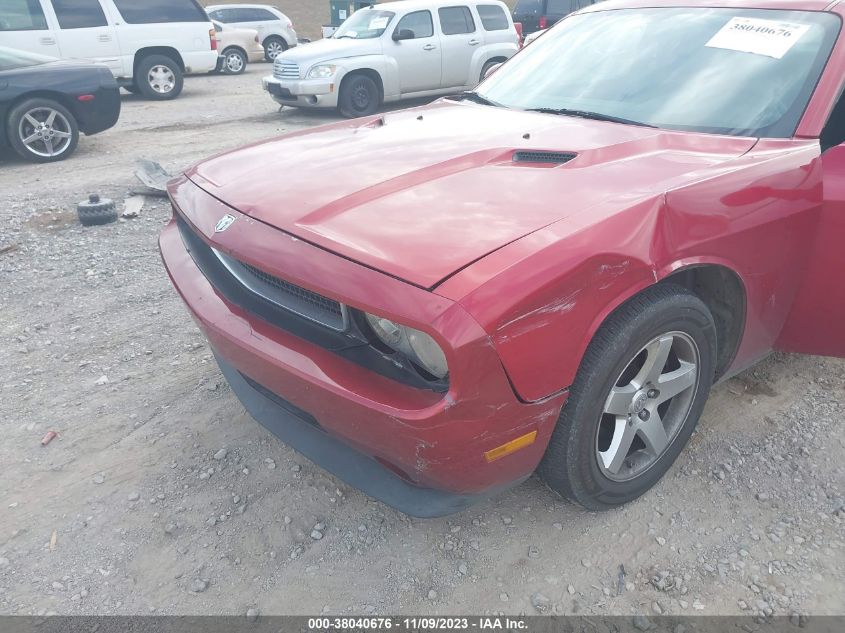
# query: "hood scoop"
544,158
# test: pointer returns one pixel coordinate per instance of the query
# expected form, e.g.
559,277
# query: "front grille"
284,294
548,158
285,70
300,312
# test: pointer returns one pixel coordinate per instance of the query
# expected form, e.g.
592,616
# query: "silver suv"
275,30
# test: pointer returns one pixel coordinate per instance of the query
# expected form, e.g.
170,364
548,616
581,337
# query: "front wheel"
234,61
159,78
636,399
42,131
359,96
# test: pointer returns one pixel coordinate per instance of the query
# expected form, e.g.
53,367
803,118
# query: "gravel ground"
160,495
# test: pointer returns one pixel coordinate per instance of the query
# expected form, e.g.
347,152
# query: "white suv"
149,45
394,51
275,30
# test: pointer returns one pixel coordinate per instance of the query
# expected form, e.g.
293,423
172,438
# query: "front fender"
347,65
559,292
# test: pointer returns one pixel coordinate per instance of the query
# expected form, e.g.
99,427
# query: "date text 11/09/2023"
417,624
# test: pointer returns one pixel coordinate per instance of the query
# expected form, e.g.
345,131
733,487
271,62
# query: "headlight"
416,345
323,71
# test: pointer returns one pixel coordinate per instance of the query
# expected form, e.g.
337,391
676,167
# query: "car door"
460,38
84,32
262,21
24,25
419,59
816,324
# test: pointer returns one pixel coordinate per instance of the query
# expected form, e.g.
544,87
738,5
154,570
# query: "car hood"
420,194
329,49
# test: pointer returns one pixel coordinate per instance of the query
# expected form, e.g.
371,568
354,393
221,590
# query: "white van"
149,45
396,50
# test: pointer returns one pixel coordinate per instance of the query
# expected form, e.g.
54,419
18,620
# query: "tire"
132,88
581,456
96,212
273,47
42,131
234,61
159,78
486,68
359,96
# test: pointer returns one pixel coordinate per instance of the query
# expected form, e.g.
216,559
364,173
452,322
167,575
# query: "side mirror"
403,34
492,69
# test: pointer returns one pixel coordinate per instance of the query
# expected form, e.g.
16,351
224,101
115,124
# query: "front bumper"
414,449
299,432
304,93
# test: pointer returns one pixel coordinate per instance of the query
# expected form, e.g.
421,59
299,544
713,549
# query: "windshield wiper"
471,95
596,116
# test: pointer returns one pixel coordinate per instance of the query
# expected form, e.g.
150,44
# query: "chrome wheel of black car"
45,132
42,130
647,406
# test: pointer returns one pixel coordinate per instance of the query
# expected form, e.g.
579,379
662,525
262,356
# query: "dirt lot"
161,495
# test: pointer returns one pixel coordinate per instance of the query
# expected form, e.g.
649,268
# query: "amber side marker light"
511,447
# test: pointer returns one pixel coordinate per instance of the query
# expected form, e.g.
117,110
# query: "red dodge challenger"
546,274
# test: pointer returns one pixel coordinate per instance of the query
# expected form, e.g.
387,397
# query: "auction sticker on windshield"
376,24
761,37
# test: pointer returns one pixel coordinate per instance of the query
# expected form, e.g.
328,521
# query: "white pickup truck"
393,51
149,45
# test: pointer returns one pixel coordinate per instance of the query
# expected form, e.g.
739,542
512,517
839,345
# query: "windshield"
366,24
722,71
10,59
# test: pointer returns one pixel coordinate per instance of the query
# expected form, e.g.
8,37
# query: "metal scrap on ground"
153,176
132,207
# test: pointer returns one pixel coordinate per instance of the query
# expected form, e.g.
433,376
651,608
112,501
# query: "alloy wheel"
45,132
234,63
274,49
647,406
162,79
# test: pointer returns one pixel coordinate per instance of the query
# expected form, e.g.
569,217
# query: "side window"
456,20
238,15
156,11
493,17
219,15
263,15
420,22
833,133
79,14
22,15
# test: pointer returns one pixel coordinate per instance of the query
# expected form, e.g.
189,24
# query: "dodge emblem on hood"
225,222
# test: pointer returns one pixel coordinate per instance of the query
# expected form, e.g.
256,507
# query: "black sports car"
46,102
